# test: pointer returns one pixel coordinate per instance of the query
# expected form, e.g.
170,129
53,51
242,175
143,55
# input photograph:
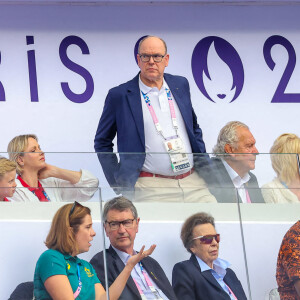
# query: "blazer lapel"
233,286
254,190
149,268
206,274
135,104
224,178
131,285
225,184
119,266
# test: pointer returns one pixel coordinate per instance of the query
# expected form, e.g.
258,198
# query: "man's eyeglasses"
147,57
207,239
114,225
73,207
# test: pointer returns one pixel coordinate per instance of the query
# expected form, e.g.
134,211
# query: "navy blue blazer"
190,283
223,188
122,115
115,267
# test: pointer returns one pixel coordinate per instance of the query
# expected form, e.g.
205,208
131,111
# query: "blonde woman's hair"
17,146
6,166
283,157
64,227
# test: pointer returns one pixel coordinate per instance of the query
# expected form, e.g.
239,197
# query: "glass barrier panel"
269,206
163,205
27,214
251,231
161,222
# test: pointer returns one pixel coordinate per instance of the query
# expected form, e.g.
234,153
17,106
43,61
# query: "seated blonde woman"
285,188
7,178
39,181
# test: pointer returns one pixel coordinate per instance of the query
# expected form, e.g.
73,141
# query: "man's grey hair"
152,36
120,204
228,135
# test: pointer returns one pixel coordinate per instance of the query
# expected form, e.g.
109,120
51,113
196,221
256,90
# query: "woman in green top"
60,274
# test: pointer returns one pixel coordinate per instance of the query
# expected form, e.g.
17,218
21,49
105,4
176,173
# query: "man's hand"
133,260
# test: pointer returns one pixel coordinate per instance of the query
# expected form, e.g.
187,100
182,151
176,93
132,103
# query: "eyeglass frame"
152,55
119,223
215,236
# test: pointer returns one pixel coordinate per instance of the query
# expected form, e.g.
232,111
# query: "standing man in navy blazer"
151,114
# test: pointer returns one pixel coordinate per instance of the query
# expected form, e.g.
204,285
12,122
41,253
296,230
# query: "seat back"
24,291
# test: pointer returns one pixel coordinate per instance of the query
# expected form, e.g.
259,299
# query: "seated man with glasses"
155,124
204,276
147,280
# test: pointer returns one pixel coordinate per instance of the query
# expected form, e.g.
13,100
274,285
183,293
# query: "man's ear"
137,223
105,228
228,148
138,60
167,57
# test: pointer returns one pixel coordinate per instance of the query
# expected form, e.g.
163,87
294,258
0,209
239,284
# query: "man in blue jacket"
155,123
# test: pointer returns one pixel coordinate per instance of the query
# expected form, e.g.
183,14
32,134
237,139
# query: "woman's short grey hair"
228,135
189,225
120,204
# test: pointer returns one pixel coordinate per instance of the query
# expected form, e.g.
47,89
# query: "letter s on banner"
87,94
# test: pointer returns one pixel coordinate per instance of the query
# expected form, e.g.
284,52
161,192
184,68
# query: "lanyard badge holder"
173,145
179,160
150,285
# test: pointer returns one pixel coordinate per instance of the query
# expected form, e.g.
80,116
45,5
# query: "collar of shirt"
137,275
235,177
219,266
74,258
218,272
146,89
123,255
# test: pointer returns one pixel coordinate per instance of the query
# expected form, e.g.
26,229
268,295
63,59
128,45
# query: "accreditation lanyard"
231,292
149,283
153,114
77,292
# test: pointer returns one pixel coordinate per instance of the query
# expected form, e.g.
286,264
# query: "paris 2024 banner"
57,64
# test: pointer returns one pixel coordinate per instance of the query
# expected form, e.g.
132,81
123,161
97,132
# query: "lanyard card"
178,157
